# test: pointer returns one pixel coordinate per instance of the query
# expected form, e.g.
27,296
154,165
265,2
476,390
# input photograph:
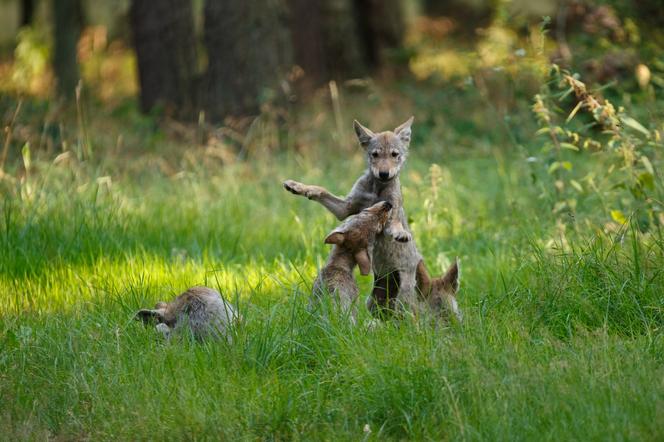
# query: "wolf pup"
353,241
394,262
201,309
439,294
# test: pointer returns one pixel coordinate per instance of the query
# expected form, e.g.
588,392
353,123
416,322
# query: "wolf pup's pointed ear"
423,279
452,276
335,237
363,261
403,131
364,135
149,316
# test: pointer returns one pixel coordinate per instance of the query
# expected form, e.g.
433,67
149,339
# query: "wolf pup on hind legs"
386,154
353,241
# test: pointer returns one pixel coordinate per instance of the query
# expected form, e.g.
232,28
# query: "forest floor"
562,333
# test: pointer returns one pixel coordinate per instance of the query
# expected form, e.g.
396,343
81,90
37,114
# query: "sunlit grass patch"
561,338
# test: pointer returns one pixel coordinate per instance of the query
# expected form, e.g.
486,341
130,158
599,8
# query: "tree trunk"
247,54
381,29
468,16
343,46
68,21
165,43
27,12
307,23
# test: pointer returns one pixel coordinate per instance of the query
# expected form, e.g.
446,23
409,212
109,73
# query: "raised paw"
401,236
296,188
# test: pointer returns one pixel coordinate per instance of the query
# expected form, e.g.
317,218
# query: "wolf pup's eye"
395,154
374,154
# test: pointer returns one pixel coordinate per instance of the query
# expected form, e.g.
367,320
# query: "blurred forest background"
272,75
218,61
143,149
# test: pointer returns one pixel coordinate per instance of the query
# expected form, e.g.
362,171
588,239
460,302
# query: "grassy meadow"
563,310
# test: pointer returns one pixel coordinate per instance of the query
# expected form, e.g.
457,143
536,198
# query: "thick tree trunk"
435,8
381,29
27,12
68,21
345,52
248,51
307,21
467,15
165,44
342,39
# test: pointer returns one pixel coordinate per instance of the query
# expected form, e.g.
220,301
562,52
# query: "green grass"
562,338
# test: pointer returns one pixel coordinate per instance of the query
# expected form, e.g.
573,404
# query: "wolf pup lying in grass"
201,310
353,243
395,256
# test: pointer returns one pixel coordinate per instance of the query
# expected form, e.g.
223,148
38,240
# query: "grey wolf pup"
386,154
200,309
439,294
353,242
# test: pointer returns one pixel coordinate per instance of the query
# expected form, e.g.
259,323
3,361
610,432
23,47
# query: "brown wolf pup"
353,241
392,260
200,309
439,294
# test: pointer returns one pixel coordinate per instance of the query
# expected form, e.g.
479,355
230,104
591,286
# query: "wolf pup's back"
202,310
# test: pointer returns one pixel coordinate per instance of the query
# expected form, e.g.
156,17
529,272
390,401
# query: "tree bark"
468,15
381,29
68,22
307,22
165,43
343,46
248,52
27,12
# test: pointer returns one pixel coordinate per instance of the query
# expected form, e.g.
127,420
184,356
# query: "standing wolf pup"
395,256
353,243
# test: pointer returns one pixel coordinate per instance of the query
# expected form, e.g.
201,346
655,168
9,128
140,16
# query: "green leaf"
553,167
657,80
574,111
25,152
559,206
576,185
566,165
647,180
647,164
619,217
569,146
631,122
566,93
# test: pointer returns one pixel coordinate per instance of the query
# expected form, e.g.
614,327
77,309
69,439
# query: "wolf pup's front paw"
311,192
294,187
400,235
300,189
403,236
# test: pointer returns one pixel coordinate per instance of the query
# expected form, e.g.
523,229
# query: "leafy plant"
628,183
